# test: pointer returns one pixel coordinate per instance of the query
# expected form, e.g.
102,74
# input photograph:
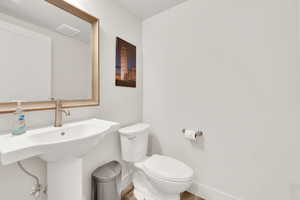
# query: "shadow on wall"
295,192
199,143
154,146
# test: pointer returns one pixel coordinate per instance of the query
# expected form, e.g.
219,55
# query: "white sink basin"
62,148
52,144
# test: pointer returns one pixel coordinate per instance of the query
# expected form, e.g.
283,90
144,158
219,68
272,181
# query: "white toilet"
157,177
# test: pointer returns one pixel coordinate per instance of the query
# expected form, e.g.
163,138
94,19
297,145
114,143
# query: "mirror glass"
45,53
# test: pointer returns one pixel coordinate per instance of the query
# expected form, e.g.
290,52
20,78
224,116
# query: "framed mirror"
49,50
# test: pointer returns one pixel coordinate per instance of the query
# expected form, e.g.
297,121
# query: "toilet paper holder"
197,133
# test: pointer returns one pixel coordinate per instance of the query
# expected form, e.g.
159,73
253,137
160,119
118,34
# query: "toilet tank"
134,142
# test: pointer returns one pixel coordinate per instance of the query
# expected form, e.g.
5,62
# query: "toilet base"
144,190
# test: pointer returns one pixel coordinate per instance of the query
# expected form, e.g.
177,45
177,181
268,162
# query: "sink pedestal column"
65,179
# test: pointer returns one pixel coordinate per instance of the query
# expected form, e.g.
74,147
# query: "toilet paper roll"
190,135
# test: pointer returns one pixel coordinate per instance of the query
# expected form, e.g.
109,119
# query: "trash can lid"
107,172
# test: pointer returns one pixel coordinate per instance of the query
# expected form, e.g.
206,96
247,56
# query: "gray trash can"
106,182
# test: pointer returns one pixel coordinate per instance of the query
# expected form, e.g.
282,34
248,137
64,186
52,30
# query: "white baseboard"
210,193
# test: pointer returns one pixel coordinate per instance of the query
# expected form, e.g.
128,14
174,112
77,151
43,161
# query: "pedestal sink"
62,148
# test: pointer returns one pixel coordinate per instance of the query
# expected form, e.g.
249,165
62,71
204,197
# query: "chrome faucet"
58,113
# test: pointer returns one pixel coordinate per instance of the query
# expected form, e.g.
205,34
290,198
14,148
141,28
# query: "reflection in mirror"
45,52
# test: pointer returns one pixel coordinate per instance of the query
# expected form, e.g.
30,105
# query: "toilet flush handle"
130,137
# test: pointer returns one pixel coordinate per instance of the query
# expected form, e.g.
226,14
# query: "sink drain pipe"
37,188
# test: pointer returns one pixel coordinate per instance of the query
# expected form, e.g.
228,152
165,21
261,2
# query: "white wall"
15,42
71,69
117,104
70,60
229,68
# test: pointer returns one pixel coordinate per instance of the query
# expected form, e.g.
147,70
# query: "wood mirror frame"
9,107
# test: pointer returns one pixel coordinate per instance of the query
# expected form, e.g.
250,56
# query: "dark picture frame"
125,64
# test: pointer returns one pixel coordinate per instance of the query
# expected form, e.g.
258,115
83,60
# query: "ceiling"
43,14
147,8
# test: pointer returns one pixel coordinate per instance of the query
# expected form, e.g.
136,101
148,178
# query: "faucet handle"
68,113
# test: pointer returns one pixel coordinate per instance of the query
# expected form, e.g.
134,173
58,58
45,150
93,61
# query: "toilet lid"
167,168
134,129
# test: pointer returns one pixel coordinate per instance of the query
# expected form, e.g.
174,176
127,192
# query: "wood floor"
127,194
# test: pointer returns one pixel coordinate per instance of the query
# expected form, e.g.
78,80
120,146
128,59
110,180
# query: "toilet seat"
167,169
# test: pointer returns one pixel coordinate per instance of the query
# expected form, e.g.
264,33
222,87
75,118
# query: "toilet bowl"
162,177
156,177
